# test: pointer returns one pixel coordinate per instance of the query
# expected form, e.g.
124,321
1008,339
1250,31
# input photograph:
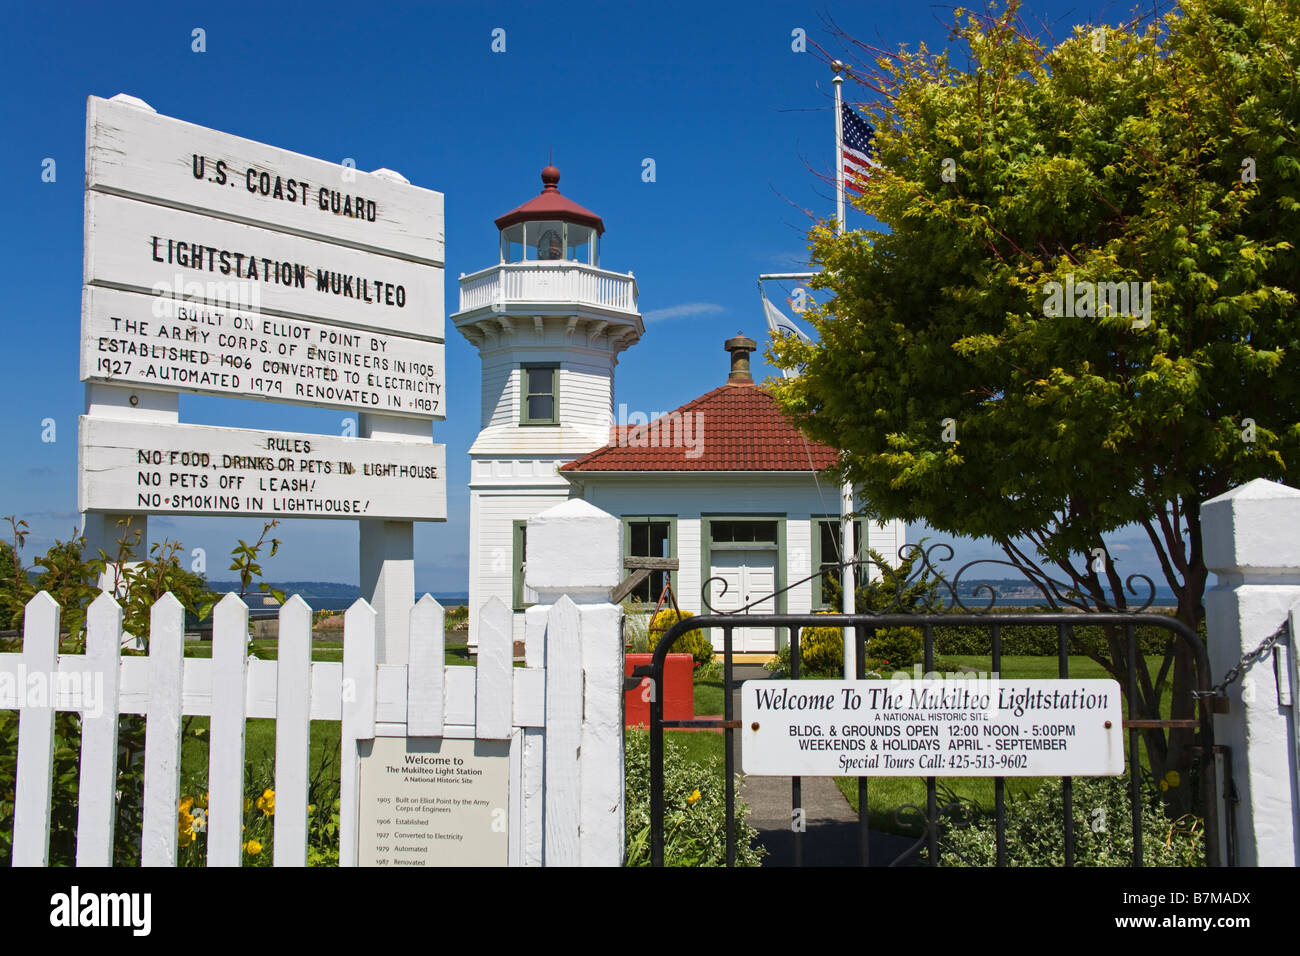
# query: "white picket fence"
555,818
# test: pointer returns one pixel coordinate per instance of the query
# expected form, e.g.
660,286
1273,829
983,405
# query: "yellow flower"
311,808
186,803
203,801
252,847
695,795
266,802
1172,779
185,838
184,826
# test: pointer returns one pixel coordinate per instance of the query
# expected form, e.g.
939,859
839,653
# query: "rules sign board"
932,728
157,468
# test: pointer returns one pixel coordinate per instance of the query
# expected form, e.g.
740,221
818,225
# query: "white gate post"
575,550
1252,543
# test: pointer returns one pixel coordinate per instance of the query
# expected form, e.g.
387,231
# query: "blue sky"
713,93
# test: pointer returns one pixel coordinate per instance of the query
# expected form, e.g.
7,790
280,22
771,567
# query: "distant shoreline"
326,595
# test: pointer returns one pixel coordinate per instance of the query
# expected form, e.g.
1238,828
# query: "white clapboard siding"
114,479
97,789
563,733
553,715
32,788
292,732
217,350
140,153
226,758
126,239
162,740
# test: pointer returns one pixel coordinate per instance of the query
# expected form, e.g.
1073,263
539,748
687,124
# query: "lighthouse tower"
549,324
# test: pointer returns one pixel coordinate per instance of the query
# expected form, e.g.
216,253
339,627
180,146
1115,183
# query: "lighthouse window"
539,388
544,241
577,243
512,243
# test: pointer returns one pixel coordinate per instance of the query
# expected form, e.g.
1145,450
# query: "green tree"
1161,152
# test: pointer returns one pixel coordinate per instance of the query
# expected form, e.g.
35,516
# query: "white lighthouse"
549,324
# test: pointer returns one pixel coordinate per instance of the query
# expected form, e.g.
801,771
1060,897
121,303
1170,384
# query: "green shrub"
821,650
1103,830
897,647
696,643
1041,640
695,818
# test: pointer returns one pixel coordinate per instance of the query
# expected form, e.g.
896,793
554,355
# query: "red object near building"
678,691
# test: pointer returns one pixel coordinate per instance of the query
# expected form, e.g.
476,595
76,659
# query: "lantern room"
551,228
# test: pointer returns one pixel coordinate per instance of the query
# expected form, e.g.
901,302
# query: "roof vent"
740,347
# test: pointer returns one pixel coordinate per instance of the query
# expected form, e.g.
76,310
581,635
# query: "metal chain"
1234,674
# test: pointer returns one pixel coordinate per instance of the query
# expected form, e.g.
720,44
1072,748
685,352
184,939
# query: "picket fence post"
162,732
33,787
97,788
1252,544
292,732
358,693
226,731
574,557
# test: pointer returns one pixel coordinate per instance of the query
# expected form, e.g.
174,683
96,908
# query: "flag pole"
838,83
848,579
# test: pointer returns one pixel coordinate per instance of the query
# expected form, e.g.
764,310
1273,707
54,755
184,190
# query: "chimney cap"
740,346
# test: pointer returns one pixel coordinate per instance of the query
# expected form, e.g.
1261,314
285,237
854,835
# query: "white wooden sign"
147,248
131,467
932,728
161,342
139,153
430,801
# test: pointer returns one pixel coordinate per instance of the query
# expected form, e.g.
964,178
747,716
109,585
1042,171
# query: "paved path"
831,837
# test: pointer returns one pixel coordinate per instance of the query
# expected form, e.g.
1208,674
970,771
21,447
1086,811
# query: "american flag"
856,151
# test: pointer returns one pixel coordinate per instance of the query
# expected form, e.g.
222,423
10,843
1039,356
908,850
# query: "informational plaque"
434,801
155,468
932,728
168,343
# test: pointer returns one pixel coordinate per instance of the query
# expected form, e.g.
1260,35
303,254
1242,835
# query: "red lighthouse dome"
550,226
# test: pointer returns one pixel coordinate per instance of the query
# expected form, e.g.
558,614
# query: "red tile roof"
732,428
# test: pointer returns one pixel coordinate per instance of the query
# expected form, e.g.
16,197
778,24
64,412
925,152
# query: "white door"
749,576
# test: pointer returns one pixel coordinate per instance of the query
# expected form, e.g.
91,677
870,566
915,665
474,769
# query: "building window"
521,596
651,537
743,532
539,394
826,555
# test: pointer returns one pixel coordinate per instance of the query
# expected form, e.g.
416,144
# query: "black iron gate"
1207,757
